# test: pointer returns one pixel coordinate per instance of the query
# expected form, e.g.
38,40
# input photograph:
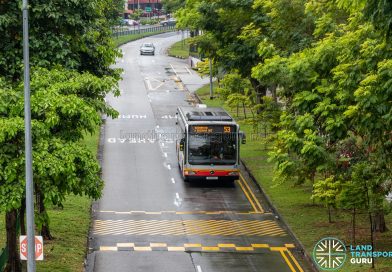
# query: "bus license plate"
214,178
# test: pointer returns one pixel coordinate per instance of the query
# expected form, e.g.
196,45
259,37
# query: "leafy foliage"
74,34
61,165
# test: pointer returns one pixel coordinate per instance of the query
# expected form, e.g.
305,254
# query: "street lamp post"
28,144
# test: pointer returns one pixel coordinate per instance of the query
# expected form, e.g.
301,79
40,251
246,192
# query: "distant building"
143,4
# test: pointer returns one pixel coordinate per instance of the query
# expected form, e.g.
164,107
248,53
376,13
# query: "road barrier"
123,32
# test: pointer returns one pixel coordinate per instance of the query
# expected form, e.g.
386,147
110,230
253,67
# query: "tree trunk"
329,214
45,231
379,222
260,91
353,226
238,106
243,105
273,92
13,264
22,211
371,235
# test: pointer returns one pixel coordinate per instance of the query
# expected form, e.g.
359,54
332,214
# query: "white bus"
209,144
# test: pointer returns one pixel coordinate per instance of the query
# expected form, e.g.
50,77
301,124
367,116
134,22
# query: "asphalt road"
149,219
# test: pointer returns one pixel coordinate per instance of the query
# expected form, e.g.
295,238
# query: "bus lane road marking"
251,196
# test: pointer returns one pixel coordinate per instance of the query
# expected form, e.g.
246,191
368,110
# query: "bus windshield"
212,145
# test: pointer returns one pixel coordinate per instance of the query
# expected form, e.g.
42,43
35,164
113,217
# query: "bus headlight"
190,173
233,173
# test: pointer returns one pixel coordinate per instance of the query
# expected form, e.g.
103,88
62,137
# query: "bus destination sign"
203,129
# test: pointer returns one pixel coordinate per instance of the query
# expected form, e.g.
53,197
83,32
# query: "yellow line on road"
247,195
254,197
295,261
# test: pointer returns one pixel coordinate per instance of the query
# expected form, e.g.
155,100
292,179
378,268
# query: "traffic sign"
148,9
39,248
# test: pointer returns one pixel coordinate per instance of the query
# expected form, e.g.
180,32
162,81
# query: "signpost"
28,140
39,248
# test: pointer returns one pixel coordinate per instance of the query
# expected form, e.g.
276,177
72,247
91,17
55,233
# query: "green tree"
65,104
171,6
327,191
74,34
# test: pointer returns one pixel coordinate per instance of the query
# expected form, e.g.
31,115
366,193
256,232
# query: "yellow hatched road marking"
181,212
188,227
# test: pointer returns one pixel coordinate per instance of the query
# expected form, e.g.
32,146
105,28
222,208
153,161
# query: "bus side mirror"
182,141
243,137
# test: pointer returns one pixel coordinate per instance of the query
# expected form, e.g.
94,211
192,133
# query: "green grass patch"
308,221
69,227
133,37
180,49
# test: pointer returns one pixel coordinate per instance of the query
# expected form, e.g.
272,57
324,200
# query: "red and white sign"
39,248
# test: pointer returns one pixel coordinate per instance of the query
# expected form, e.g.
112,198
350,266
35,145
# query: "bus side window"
182,142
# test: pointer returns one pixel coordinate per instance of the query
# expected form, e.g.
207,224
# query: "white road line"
165,154
173,69
199,268
188,70
177,196
169,167
173,180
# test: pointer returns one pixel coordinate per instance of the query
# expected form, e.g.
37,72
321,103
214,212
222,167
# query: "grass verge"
308,221
179,49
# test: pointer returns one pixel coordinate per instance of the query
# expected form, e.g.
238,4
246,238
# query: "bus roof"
205,114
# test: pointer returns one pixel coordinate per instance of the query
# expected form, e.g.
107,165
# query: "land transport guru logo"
329,254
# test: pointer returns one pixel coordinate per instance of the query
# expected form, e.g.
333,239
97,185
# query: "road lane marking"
260,208
135,246
182,212
173,69
188,70
189,227
247,195
199,268
282,252
173,180
125,244
295,261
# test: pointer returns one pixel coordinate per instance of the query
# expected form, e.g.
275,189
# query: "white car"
147,49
